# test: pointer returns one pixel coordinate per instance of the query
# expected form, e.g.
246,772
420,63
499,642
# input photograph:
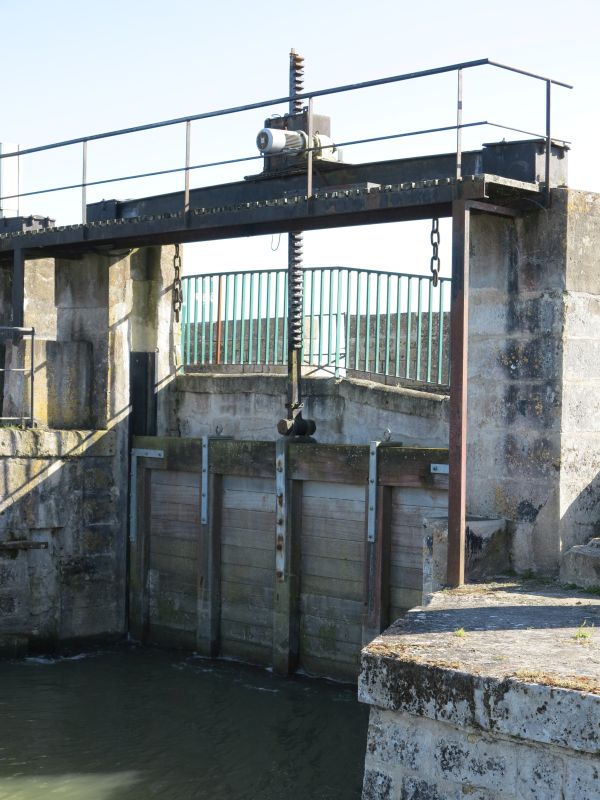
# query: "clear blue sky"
75,67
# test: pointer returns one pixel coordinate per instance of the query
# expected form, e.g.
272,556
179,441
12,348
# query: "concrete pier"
492,692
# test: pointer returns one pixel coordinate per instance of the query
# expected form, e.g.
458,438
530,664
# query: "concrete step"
581,565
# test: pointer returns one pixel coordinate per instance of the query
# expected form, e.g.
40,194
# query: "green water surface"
141,723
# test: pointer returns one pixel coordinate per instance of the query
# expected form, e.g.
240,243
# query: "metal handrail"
8,332
309,96
279,100
357,321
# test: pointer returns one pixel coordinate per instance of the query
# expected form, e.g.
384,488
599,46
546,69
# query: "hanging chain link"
177,287
435,243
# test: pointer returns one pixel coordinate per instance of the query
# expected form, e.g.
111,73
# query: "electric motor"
273,141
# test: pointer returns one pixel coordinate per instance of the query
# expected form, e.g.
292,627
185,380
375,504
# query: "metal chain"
434,238
177,287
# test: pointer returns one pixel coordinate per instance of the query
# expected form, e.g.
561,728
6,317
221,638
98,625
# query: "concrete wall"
60,524
533,374
346,411
65,487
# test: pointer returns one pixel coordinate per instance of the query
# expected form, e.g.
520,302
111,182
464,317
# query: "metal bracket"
204,483
439,469
281,508
137,452
372,499
204,474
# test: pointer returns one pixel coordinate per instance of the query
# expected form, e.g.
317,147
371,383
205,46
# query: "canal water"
133,724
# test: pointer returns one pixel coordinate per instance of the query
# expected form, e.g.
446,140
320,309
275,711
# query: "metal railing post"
459,115
548,140
32,377
186,192
84,183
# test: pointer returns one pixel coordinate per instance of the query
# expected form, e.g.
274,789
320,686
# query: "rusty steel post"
459,329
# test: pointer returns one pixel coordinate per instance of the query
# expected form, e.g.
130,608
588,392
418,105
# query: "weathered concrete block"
413,417
582,780
378,786
540,773
82,283
487,550
487,693
581,565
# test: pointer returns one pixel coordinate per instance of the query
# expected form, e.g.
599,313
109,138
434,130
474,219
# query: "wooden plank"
173,546
248,615
331,629
209,572
315,605
179,454
246,556
253,576
161,526
330,648
253,502
328,547
339,491
406,577
138,554
175,495
406,558
420,498
249,595
343,529
242,632
408,466
250,652
169,516
408,538
250,520
411,517
171,582
377,570
175,565
174,602
168,616
250,459
254,539
350,510
332,587
171,637
145,512
237,483
404,598
323,667
332,568
336,463
191,480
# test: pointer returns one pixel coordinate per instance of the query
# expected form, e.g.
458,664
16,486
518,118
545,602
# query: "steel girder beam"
334,208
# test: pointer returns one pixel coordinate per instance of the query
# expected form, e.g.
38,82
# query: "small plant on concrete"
460,633
584,632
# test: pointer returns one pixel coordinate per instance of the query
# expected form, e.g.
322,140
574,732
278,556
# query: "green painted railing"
355,321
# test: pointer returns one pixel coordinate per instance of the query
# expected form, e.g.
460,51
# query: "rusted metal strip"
459,319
